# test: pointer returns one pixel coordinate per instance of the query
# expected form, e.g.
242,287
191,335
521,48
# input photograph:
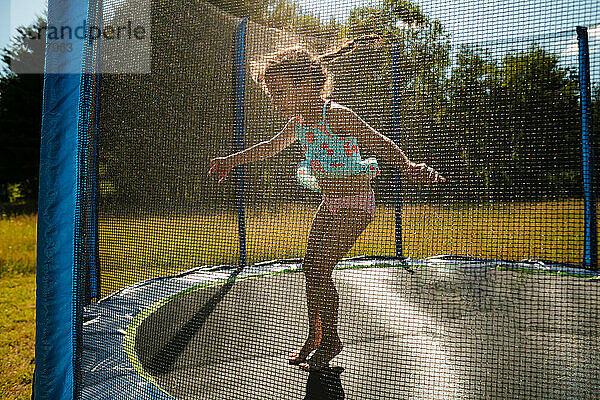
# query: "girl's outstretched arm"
265,149
345,121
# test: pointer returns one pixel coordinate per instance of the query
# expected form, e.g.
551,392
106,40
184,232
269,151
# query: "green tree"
258,11
287,15
471,124
419,49
514,124
21,112
540,102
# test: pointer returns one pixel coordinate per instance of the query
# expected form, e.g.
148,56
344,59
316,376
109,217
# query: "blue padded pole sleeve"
54,347
590,257
396,133
240,91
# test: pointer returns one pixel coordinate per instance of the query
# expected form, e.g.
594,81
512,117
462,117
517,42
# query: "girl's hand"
221,166
423,173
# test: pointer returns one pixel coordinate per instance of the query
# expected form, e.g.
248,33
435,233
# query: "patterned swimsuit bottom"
362,201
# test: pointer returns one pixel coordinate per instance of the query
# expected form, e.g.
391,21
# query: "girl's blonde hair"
300,65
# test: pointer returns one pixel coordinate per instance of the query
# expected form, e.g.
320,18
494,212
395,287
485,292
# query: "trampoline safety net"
341,199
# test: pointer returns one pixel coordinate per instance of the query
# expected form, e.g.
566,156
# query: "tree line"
500,127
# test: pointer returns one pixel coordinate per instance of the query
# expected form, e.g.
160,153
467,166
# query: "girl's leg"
339,237
323,218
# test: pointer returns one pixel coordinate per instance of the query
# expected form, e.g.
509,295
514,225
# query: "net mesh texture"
488,95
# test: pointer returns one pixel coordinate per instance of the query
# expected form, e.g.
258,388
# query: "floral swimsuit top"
328,154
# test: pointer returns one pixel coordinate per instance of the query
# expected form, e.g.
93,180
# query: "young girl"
331,136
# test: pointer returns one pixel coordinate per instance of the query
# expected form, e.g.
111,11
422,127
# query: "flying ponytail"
299,64
348,47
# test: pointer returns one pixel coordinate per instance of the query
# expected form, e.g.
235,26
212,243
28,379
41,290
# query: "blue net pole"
396,133
88,267
95,280
590,256
240,90
92,77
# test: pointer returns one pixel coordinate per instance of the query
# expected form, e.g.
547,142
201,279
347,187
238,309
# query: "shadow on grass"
20,208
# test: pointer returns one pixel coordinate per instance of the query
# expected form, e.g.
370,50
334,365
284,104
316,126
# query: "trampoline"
156,282
436,328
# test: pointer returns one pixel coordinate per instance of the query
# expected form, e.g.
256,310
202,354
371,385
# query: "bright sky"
466,20
15,13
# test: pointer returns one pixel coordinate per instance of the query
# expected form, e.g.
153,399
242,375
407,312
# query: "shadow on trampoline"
163,361
321,385
325,384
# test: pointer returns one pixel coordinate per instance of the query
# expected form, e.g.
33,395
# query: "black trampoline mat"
436,333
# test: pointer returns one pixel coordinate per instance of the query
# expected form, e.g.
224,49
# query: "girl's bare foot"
327,350
300,355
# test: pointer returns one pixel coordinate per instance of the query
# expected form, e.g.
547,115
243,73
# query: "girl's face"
286,95
280,89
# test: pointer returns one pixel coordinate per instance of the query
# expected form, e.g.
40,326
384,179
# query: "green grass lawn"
17,303
134,249
17,244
